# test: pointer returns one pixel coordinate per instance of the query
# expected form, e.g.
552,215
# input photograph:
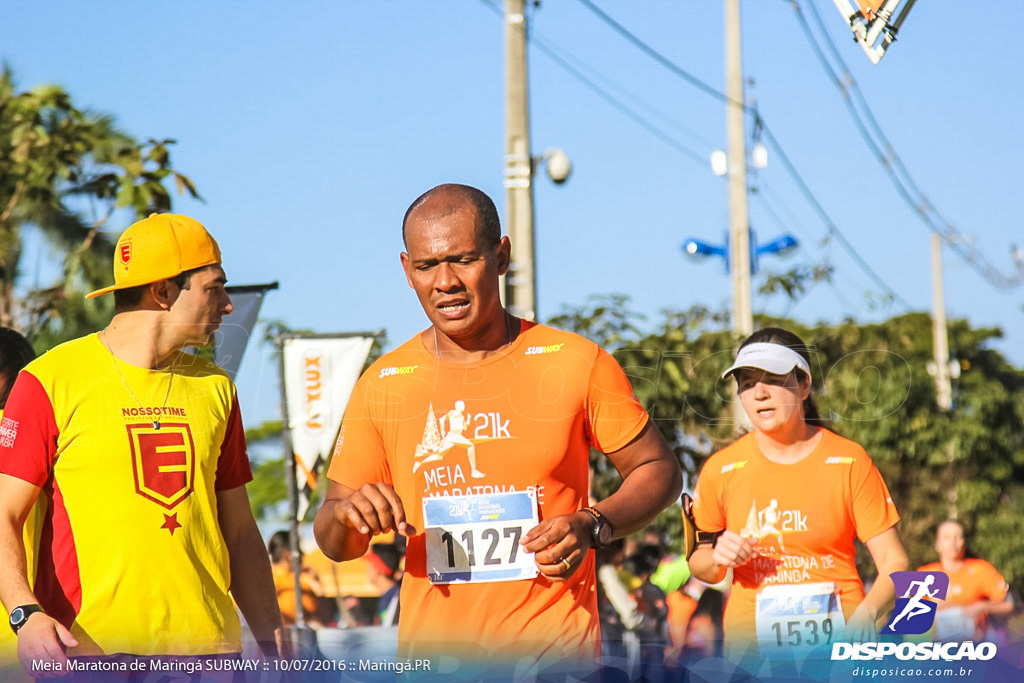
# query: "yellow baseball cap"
158,248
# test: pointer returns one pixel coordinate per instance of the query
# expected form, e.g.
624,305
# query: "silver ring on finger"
566,564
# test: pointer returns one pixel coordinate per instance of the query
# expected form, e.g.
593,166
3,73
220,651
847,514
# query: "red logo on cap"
126,253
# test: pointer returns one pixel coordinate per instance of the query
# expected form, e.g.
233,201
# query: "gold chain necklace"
124,380
508,333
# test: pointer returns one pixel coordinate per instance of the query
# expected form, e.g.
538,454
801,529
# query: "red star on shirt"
171,523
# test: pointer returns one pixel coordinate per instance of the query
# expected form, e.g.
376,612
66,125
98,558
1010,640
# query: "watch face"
604,534
19,615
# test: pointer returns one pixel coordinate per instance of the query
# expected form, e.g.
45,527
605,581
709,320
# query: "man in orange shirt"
976,589
498,564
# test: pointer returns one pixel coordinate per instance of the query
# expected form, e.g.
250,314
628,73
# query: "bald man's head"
445,200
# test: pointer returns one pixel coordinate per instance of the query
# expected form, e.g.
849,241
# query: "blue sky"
310,126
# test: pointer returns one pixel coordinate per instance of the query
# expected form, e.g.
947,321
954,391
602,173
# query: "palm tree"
67,173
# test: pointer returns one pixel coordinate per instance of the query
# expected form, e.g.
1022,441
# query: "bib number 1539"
808,632
797,618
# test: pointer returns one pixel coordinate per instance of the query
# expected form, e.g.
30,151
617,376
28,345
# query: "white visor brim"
773,358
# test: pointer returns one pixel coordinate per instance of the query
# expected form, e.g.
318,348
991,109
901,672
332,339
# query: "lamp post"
940,333
739,224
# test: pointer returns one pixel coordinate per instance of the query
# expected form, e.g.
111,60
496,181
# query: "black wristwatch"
19,615
602,531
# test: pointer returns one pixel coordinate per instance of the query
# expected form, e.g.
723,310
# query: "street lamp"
695,247
780,246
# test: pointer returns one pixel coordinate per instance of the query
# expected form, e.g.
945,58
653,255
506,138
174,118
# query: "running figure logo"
763,523
442,435
914,612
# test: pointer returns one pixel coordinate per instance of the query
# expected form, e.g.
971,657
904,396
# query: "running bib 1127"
473,539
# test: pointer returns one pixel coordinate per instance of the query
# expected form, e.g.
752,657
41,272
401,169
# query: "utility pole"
739,222
521,282
943,370
940,335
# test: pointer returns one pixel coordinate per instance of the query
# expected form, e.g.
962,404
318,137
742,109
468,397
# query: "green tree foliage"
966,463
65,172
795,282
873,380
268,489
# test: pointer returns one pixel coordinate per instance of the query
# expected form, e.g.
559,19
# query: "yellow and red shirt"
802,517
531,413
131,557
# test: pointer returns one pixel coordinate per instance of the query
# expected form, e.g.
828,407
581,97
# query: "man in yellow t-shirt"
137,450
499,569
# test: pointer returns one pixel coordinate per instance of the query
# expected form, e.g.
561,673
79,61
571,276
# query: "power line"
612,100
565,63
671,120
719,95
876,140
830,226
660,58
766,196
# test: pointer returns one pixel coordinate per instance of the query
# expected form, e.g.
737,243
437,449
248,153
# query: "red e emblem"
125,253
163,462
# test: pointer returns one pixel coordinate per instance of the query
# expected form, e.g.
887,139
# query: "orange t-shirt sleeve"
873,509
614,416
359,454
708,507
993,585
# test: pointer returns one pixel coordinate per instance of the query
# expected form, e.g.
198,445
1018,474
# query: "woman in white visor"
787,500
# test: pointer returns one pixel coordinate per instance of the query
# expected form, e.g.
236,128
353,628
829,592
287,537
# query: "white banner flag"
319,374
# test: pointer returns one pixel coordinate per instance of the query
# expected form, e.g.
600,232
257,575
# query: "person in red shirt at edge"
472,439
788,499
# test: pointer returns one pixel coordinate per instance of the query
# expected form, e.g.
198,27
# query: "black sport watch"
19,615
602,531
